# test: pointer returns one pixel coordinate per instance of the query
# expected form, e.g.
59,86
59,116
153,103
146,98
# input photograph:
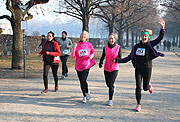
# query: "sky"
45,20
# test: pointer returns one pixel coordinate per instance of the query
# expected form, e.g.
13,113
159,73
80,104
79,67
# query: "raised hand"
75,44
162,23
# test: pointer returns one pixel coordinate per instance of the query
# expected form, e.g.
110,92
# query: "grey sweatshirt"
65,50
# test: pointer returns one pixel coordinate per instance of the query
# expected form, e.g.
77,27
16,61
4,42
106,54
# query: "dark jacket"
42,42
150,44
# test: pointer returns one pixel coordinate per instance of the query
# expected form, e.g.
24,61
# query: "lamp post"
23,9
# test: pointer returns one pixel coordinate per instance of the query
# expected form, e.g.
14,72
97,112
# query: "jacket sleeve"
158,39
119,53
56,50
92,52
43,50
124,60
70,44
73,53
58,41
40,44
102,57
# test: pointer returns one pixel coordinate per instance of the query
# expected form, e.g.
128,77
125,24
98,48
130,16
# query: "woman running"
110,51
84,53
51,53
142,55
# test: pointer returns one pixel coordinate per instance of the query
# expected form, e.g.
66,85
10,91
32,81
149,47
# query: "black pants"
64,65
54,68
82,75
110,78
145,74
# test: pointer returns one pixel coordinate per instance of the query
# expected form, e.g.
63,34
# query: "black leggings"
110,78
145,74
54,68
82,75
64,65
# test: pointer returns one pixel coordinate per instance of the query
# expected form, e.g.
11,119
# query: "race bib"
65,52
83,52
57,58
140,51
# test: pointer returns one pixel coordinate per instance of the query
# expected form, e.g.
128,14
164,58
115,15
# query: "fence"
32,43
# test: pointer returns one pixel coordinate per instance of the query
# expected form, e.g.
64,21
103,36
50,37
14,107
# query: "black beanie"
64,32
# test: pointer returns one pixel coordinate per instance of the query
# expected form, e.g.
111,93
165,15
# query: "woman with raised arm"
84,53
141,56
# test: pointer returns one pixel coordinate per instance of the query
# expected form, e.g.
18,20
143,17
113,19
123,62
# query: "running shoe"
110,103
44,91
56,88
151,88
84,100
62,77
138,108
66,74
88,97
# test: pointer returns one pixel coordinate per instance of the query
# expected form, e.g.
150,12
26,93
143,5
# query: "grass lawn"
34,64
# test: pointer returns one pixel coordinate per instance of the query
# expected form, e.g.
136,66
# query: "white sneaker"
62,77
110,103
88,97
84,100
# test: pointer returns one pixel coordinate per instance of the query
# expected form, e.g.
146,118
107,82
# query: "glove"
115,60
100,65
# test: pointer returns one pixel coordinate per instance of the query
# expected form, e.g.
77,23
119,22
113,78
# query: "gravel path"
20,99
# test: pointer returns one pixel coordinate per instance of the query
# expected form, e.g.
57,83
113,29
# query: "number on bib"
83,52
140,51
65,52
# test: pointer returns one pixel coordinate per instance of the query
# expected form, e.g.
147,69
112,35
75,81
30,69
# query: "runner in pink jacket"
84,53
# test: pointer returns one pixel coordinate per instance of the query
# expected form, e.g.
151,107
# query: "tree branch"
70,14
9,7
6,17
170,6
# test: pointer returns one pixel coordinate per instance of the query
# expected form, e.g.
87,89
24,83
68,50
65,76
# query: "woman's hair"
113,34
87,33
51,33
148,30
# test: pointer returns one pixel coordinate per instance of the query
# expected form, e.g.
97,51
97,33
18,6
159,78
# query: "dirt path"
20,99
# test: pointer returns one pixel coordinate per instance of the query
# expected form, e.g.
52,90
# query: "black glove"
100,65
115,60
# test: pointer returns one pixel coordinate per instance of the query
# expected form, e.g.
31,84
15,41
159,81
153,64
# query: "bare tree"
35,33
174,4
173,25
15,19
80,9
122,14
109,13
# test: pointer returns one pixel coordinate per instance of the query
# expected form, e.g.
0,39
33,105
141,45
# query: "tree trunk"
17,46
111,27
136,37
111,24
120,37
86,16
85,23
127,37
132,37
179,42
176,41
